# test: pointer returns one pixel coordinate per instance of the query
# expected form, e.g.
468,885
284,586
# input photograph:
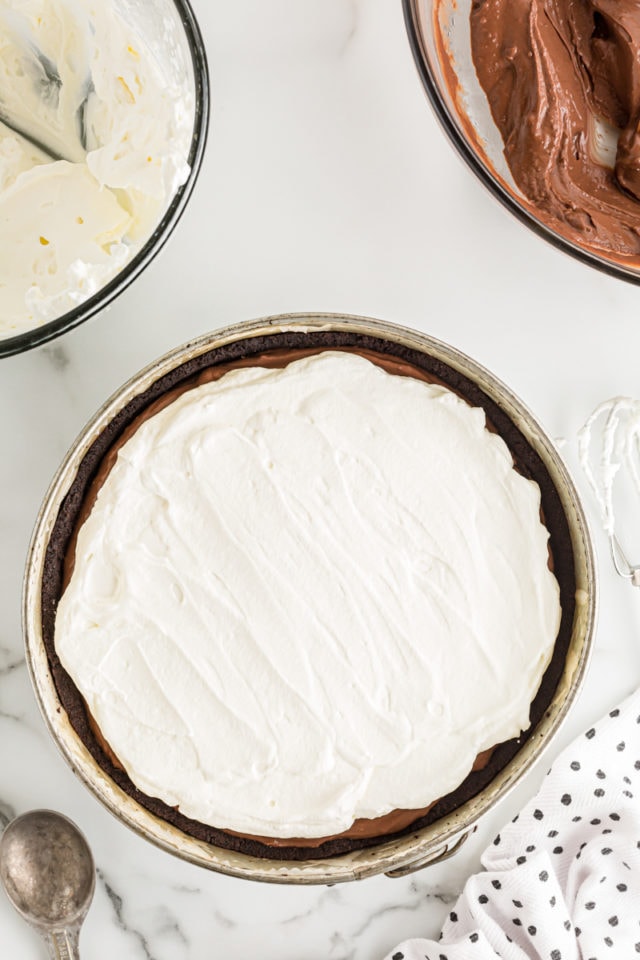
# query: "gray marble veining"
10,661
7,813
57,356
326,186
117,904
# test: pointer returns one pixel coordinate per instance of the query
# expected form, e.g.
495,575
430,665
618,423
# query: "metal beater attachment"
609,451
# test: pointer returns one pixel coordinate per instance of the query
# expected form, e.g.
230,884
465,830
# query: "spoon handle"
63,944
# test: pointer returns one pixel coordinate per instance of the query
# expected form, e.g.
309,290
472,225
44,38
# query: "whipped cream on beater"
93,147
609,453
308,595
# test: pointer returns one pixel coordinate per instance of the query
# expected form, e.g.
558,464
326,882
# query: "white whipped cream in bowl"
298,576
103,122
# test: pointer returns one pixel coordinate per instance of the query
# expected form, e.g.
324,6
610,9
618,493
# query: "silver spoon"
47,870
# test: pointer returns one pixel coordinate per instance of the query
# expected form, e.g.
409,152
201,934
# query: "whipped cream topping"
609,453
94,146
309,595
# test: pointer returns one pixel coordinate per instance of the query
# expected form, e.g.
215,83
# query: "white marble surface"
326,186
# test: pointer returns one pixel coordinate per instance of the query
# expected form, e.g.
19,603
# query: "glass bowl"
440,39
172,33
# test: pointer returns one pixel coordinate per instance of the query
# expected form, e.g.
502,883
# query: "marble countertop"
327,186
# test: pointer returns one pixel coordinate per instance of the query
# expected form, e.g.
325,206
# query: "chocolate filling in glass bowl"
279,349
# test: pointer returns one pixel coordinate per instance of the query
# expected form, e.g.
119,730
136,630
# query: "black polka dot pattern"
561,879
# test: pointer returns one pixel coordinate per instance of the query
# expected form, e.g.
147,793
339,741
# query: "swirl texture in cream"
308,595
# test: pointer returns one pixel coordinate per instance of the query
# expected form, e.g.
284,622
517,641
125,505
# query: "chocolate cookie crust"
185,375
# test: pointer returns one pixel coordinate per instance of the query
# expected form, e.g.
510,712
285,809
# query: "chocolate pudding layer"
562,78
96,466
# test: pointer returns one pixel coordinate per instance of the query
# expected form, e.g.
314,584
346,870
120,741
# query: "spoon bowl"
48,872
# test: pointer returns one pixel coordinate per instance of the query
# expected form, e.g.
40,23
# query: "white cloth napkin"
562,880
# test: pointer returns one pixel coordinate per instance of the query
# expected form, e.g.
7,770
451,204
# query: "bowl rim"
412,19
102,298
394,857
